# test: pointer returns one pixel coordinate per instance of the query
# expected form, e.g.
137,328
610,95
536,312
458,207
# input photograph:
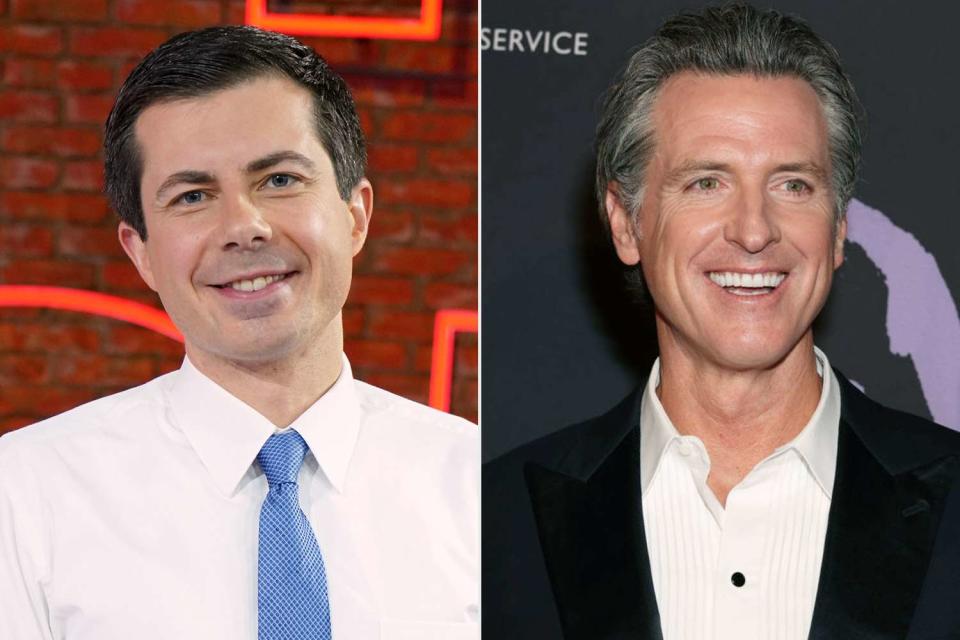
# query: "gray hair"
729,40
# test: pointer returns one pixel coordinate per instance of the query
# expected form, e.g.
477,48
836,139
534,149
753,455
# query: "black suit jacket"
564,550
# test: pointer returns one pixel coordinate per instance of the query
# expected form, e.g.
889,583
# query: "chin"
751,354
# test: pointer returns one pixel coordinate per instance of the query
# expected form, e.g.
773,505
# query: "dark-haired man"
259,491
745,490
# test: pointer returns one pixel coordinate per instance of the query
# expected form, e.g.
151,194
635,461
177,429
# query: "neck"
280,388
741,415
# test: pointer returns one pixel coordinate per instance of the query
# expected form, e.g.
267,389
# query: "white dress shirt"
136,515
771,531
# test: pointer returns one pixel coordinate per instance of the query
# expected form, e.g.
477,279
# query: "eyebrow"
694,166
193,177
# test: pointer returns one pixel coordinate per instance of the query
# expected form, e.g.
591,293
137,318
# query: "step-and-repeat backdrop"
561,342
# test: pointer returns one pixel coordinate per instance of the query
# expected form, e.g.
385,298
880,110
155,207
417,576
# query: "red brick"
387,158
28,106
453,160
14,422
28,72
376,354
114,41
408,325
59,141
416,261
60,11
366,122
379,91
50,400
410,386
28,173
48,337
465,360
448,295
338,51
127,339
427,192
73,74
25,240
21,38
88,108
454,94
20,368
179,13
430,127
83,175
75,207
393,226
90,369
48,272
449,230
423,358
89,241
354,320
424,57
121,274
379,290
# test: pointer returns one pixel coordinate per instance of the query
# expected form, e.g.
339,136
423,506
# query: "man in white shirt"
259,491
745,490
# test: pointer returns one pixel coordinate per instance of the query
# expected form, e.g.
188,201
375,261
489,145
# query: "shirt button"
738,579
685,448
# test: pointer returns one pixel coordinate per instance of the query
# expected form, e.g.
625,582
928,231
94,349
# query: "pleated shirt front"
749,569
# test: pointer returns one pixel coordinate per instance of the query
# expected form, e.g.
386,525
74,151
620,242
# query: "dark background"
560,341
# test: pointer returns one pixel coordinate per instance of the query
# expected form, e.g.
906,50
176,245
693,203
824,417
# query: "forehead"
756,115
228,127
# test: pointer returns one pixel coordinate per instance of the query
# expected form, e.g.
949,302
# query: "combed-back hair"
729,40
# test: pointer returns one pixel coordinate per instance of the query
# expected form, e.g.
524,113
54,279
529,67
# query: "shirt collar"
816,443
227,433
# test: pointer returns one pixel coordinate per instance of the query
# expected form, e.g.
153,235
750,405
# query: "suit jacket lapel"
887,500
588,509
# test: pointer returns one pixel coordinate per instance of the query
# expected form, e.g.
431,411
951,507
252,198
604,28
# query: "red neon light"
447,324
445,327
426,27
99,304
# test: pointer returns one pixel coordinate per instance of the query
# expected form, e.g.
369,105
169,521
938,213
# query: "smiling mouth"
747,284
254,284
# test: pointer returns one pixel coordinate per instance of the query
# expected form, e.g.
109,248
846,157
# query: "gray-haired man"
745,490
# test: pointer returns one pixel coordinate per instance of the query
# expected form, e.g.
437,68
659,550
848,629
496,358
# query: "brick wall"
61,63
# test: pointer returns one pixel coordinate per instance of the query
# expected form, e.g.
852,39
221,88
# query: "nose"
244,226
752,223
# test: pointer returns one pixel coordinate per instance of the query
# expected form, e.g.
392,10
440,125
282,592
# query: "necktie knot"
281,457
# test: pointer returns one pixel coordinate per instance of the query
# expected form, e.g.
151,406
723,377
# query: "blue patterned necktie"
291,583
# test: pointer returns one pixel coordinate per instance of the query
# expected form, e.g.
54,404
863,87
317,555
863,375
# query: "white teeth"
256,284
747,280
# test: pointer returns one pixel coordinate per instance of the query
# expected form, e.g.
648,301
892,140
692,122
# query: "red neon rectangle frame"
446,325
426,27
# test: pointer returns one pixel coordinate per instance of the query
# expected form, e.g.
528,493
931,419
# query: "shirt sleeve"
23,606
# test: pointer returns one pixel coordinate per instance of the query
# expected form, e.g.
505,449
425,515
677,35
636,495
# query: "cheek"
174,257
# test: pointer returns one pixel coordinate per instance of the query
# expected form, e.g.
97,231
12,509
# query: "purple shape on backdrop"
922,319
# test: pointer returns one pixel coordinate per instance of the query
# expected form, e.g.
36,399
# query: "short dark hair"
729,40
197,63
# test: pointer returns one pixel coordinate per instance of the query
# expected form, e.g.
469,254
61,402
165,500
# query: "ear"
361,208
841,236
136,249
621,227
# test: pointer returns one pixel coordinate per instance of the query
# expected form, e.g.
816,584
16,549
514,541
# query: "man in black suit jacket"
727,154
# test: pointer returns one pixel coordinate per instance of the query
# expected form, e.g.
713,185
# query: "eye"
191,197
796,187
706,184
280,180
